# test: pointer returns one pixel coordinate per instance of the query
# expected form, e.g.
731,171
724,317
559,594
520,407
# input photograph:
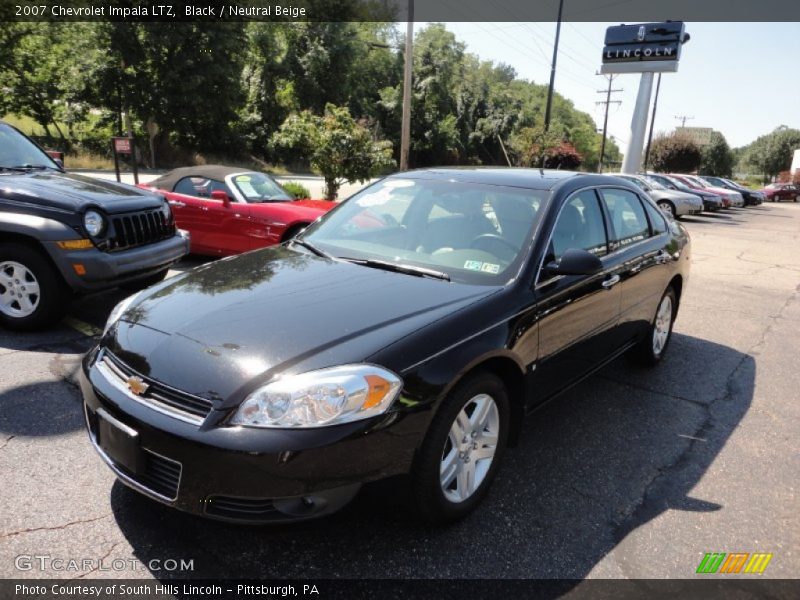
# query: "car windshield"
654,184
18,152
679,184
257,187
465,232
697,181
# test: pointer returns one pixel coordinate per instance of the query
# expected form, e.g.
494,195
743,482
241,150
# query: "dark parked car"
751,197
62,234
272,385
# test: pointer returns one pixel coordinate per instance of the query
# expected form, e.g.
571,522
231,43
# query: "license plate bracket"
119,442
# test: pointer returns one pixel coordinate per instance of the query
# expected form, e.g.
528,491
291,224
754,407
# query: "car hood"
71,192
676,195
221,329
323,205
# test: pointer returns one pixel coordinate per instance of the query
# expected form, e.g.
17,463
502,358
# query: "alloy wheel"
667,208
470,448
19,290
663,324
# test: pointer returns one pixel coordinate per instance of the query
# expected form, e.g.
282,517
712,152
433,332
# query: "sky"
738,78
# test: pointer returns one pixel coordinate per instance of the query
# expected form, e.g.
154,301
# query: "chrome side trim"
113,376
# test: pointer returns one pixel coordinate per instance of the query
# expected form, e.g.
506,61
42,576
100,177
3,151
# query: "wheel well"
292,231
510,374
33,243
677,284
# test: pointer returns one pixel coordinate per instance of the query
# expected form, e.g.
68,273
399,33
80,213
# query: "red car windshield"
257,187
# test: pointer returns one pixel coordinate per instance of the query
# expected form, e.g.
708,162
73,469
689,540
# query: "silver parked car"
674,203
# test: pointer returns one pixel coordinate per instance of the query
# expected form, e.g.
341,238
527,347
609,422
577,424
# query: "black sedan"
407,332
751,197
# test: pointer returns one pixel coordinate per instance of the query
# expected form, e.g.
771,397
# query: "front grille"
137,229
242,509
157,395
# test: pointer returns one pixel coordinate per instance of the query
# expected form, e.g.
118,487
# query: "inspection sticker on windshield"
485,267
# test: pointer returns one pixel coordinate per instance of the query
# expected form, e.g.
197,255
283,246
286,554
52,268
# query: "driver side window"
580,226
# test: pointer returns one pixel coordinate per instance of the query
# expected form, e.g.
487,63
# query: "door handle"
610,282
663,257
176,204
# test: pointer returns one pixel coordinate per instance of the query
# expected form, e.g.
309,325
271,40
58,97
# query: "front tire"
462,450
650,351
32,293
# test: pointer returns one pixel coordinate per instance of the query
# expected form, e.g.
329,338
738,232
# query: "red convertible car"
229,210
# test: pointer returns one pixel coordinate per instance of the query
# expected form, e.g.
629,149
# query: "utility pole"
652,124
683,119
553,69
608,101
633,157
405,128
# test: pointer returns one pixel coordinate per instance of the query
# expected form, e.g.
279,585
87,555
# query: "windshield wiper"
17,169
311,247
27,167
399,268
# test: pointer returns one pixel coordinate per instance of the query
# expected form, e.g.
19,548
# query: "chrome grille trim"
161,398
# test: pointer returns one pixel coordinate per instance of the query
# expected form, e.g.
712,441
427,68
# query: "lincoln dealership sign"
645,47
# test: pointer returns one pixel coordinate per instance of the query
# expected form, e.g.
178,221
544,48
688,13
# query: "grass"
87,160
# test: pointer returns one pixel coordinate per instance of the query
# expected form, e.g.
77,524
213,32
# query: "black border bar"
621,11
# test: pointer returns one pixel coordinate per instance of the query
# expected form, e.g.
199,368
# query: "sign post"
125,145
644,48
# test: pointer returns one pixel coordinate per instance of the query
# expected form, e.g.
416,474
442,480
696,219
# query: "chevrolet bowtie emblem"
136,385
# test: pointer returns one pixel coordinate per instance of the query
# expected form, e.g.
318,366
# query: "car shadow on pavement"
609,456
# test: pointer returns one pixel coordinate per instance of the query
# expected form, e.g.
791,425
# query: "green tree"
340,148
772,153
675,153
718,157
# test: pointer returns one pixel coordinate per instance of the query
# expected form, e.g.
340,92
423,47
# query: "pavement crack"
627,521
5,441
11,534
99,562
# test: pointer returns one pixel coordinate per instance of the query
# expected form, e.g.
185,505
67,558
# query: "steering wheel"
491,241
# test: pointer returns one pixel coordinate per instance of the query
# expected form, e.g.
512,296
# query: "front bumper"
244,474
103,270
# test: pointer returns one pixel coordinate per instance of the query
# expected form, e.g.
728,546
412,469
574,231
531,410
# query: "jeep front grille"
137,229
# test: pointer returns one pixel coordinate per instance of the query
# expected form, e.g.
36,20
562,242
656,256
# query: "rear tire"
32,293
293,232
651,350
668,208
462,449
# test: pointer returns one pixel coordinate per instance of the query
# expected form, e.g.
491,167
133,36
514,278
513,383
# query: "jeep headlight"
166,211
94,223
117,311
319,398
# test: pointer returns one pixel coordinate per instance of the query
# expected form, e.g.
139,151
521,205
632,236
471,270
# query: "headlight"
166,211
94,223
117,311
325,397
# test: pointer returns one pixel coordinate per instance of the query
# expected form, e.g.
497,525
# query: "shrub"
297,190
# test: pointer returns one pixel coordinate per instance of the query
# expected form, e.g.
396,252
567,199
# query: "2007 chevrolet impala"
405,332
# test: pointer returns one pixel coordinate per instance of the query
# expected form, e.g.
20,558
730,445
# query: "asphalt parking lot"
633,473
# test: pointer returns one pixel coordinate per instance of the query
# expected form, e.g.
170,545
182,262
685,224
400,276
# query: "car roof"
218,172
535,179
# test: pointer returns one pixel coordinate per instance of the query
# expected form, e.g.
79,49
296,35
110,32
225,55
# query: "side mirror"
575,262
220,195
